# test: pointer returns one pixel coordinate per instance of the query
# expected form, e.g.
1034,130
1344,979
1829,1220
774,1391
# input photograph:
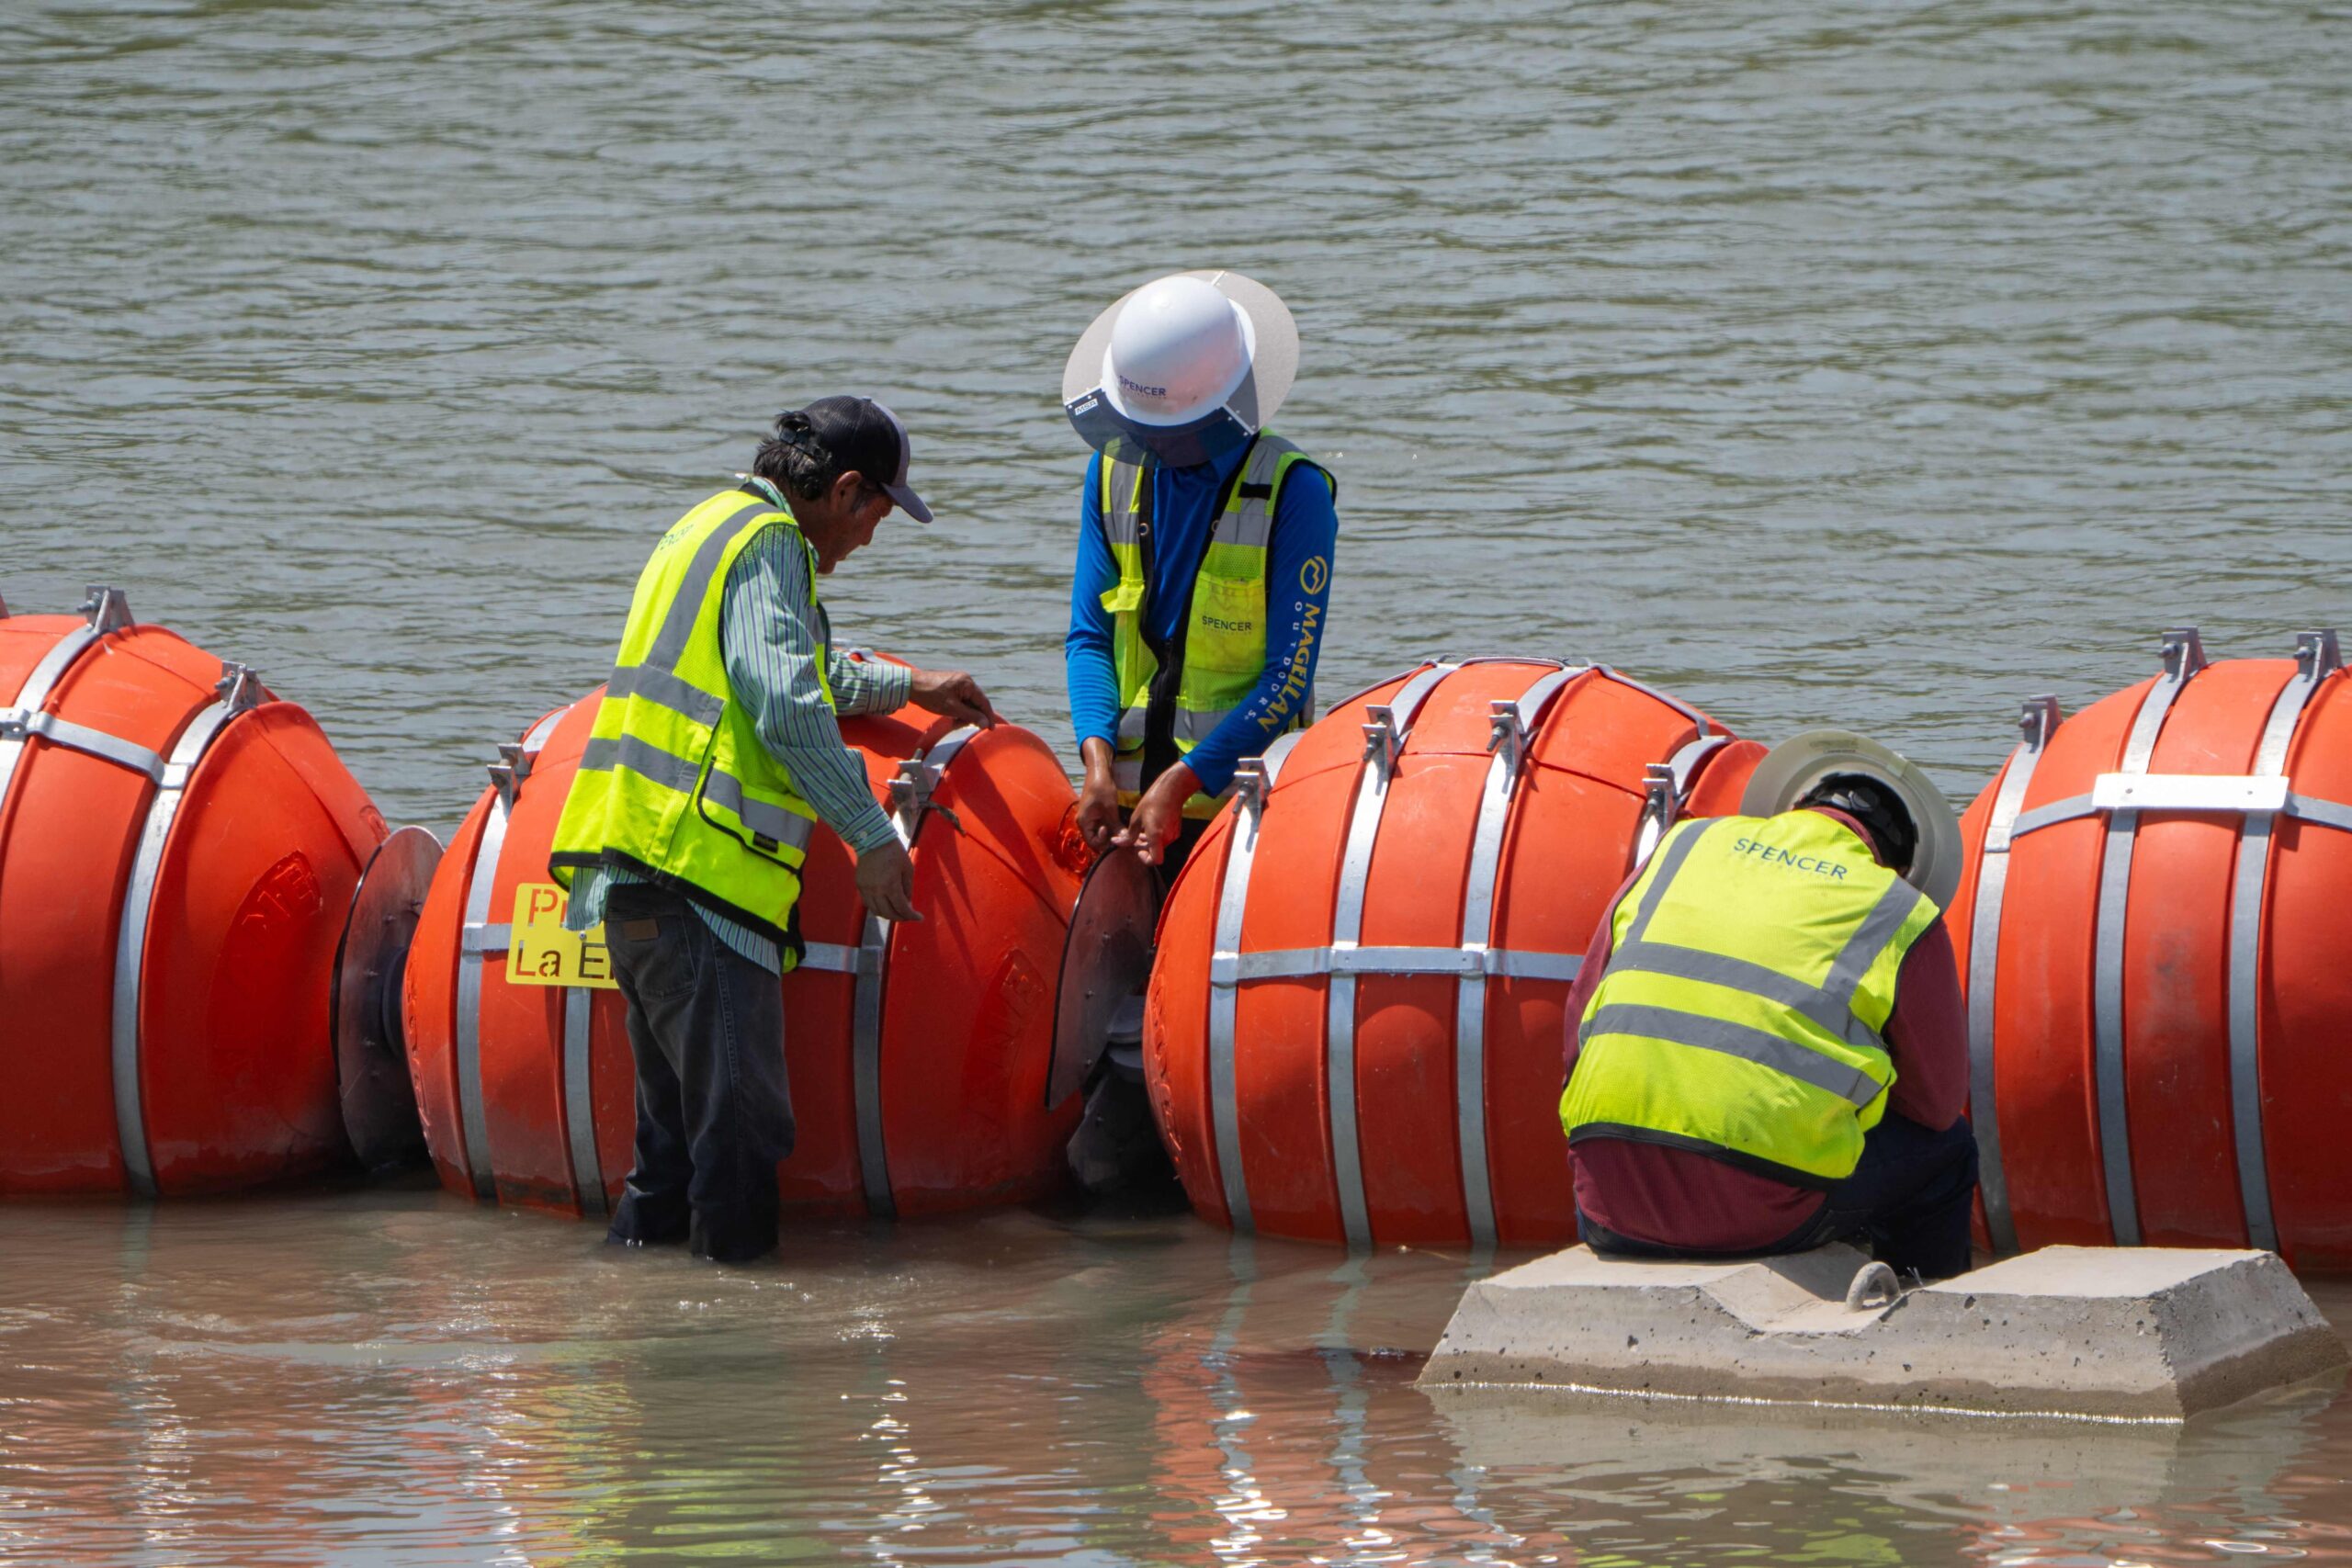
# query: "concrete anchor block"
2112,1333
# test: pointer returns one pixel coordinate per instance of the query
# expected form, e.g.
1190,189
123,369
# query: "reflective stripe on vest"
1224,636
674,782
1752,968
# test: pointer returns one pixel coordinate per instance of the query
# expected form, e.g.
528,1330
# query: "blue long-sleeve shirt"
1183,512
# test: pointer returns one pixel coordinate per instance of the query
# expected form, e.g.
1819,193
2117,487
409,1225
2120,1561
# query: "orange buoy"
1355,1029
916,1054
179,852
2159,1012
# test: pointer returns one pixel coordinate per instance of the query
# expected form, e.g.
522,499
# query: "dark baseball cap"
862,434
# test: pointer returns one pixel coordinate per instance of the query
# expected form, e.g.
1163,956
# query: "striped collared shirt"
769,625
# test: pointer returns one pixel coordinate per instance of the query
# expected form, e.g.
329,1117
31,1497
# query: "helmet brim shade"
1273,365
1798,763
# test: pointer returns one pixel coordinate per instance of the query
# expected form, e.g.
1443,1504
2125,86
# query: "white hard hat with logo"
1184,369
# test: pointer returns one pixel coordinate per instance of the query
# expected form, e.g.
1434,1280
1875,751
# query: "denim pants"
1908,1201
714,1110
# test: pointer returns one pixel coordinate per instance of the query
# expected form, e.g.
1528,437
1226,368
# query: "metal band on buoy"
2184,655
2037,722
579,1100
1514,725
240,693
2317,656
107,610
478,938
481,938
1384,739
2255,798
911,793
1252,778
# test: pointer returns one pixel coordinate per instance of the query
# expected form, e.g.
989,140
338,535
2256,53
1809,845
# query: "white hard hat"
1178,350
1184,368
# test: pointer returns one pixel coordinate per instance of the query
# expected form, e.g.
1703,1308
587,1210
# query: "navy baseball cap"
862,434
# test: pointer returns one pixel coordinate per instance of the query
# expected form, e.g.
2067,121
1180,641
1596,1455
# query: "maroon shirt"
1682,1198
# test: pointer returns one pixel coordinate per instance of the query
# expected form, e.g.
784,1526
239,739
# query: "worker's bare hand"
1098,811
885,881
1159,815
955,694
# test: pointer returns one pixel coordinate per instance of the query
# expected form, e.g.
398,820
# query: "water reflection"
404,1378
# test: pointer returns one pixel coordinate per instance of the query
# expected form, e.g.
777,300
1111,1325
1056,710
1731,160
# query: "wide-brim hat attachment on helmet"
1793,768
1185,369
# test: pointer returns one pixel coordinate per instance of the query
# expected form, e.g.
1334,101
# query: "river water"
1870,363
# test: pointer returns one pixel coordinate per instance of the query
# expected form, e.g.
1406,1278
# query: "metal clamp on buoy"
1340,1106
2209,915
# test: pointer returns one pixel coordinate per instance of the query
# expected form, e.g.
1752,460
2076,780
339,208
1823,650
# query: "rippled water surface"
403,1377
1876,363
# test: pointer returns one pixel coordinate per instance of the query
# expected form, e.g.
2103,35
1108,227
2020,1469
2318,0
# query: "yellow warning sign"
544,953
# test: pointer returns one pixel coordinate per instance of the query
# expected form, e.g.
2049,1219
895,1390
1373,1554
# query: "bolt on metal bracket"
2038,720
1661,807
2318,654
239,687
2184,652
1507,735
108,609
501,779
1249,785
1382,737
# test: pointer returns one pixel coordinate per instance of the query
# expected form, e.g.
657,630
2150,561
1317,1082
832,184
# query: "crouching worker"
714,754
1771,1052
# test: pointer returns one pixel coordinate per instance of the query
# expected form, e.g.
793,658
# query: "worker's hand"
1159,815
1098,798
886,880
955,694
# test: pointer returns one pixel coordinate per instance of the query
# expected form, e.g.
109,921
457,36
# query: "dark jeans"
1908,1201
714,1112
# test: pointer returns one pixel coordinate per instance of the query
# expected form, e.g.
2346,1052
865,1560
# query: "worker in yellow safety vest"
1770,1050
714,754
1204,554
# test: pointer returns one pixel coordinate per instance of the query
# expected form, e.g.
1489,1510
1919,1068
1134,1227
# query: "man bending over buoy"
1772,1049
714,753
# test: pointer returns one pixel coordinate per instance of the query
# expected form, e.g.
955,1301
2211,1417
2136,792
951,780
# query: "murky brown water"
402,1378
1873,362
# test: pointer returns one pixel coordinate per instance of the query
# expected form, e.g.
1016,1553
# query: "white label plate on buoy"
544,953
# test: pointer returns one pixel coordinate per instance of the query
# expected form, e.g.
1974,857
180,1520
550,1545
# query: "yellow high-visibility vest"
1753,965
1225,637
675,783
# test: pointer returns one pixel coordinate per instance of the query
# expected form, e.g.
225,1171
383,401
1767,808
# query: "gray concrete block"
2141,1333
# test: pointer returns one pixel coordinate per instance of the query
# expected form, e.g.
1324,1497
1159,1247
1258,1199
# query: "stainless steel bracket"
240,687
108,609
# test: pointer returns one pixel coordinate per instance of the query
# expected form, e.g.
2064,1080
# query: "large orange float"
179,852
917,1053
2151,929
1355,1027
